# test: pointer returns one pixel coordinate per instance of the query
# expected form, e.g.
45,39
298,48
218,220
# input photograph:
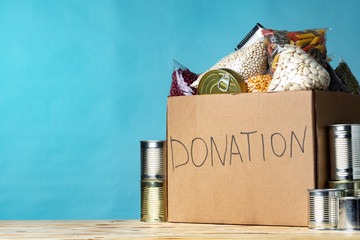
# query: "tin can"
349,213
350,187
221,80
153,201
153,159
345,151
323,208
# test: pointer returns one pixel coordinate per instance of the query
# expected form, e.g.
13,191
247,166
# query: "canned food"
350,187
153,201
345,151
323,208
222,80
153,159
349,213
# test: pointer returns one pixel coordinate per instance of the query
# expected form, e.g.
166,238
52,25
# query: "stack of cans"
339,206
153,190
345,172
345,158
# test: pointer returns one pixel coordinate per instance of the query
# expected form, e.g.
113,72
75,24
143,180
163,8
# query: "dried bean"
247,62
312,42
181,80
298,71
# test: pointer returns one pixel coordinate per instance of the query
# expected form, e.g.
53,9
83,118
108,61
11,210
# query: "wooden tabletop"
134,229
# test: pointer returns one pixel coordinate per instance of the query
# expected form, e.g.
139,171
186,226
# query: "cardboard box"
249,158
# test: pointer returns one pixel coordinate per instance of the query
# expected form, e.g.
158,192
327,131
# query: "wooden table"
134,229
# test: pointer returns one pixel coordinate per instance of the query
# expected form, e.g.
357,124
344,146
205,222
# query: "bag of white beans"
296,70
247,62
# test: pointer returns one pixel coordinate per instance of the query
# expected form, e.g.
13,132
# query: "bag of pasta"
311,41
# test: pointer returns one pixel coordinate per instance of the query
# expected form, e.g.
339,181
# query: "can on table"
345,151
221,80
350,187
349,213
153,201
153,159
323,208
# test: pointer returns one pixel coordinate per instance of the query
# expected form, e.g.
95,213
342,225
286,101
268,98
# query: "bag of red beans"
182,78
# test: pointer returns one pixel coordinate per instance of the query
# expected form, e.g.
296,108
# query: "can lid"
221,81
345,184
350,198
152,181
324,190
152,143
345,181
344,126
341,131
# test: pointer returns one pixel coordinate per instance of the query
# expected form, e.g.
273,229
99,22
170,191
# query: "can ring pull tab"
225,79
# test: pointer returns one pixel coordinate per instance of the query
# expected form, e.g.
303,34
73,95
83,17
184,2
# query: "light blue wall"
83,81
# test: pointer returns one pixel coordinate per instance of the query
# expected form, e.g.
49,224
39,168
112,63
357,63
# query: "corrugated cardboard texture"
332,108
241,159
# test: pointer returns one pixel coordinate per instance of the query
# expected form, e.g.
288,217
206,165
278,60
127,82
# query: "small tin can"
221,80
349,213
153,201
350,187
153,159
323,208
345,151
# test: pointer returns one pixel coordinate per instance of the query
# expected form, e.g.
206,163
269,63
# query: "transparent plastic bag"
297,70
312,42
347,78
182,78
335,82
247,62
258,83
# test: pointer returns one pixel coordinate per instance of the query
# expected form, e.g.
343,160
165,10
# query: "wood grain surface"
134,229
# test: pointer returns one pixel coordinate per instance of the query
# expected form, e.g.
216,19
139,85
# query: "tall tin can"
153,201
345,151
153,189
349,213
350,187
323,208
153,159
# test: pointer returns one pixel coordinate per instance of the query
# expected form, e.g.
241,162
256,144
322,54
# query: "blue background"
82,82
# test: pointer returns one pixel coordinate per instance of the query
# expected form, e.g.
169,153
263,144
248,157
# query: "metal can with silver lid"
153,190
221,80
153,201
323,208
349,213
153,159
345,151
